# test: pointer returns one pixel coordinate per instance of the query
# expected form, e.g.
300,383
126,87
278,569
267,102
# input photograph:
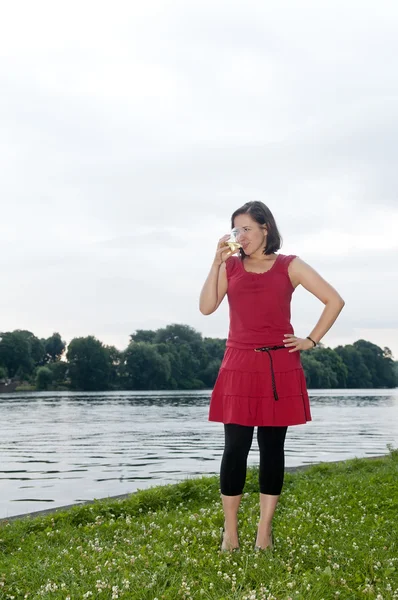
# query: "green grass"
335,534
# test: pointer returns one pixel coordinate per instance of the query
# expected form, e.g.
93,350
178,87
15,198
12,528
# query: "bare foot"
229,542
264,539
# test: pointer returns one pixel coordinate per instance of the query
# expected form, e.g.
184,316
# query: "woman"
261,380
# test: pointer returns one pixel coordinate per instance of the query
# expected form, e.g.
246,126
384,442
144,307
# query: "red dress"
259,388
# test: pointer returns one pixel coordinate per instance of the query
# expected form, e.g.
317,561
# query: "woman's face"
251,235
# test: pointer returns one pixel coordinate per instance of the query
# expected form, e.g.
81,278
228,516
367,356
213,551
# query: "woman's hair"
262,214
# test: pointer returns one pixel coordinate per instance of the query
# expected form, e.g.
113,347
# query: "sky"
131,131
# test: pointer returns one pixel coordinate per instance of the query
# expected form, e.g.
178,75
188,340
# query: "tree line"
176,357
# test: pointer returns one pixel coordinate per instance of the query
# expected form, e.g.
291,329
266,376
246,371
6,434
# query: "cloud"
130,136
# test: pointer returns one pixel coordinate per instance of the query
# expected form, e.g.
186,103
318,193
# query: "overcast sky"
130,131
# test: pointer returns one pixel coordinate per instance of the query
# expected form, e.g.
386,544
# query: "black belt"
267,350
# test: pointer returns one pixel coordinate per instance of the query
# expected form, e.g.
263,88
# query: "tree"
209,374
358,373
314,371
15,353
59,370
115,360
44,378
89,364
389,375
378,362
36,348
395,368
214,347
210,358
190,364
144,368
54,347
335,372
183,345
143,335
179,334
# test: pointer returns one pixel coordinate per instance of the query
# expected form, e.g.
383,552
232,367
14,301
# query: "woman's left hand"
296,343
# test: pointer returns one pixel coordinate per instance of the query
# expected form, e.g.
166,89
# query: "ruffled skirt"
244,393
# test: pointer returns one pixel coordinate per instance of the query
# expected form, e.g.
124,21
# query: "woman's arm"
214,289
216,284
301,273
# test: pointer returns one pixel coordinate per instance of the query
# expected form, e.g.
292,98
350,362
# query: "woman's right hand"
223,252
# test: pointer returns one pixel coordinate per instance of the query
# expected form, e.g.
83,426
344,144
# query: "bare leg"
267,509
231,506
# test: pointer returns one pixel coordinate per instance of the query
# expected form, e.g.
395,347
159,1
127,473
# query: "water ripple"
71,447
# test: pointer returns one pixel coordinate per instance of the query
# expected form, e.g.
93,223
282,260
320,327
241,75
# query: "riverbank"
51,511
334,531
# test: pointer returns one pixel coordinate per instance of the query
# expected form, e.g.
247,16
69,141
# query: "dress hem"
259,424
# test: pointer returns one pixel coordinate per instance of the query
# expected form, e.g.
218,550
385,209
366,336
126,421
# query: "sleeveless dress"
259,388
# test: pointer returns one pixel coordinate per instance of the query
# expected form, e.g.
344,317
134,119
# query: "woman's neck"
259,256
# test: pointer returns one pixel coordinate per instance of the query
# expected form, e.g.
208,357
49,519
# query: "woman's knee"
271,439
238,439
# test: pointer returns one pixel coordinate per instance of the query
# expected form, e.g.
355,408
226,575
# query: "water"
63,448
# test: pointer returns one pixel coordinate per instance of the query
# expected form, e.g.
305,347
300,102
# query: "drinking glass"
232,242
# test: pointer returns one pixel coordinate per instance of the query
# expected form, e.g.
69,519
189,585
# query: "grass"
335,534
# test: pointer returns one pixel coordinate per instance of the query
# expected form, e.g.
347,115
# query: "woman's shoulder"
284,260
287,258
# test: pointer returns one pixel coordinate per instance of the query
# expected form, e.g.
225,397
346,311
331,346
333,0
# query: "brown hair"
263,216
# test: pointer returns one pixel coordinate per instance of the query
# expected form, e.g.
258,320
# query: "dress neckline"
262,272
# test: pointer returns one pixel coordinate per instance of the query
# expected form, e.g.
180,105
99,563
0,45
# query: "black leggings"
238,440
